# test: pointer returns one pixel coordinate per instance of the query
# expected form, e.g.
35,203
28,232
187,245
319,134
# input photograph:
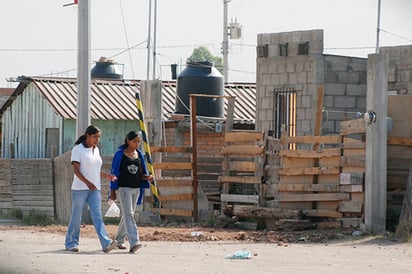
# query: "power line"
60,50
396,35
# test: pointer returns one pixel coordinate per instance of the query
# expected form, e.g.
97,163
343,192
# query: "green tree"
202,54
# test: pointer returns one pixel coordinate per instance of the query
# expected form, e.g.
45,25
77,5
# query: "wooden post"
317,132
194,155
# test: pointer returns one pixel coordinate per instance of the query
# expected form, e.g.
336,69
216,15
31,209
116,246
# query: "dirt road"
34,251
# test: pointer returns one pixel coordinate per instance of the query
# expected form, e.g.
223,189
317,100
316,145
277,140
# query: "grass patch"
37,219
13,213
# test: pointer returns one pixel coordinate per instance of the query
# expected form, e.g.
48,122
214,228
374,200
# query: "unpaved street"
31,251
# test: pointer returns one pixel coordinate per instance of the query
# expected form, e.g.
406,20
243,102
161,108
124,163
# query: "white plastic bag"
113,211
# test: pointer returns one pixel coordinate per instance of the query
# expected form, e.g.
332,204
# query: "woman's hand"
147,177
112,195
110,177
91,186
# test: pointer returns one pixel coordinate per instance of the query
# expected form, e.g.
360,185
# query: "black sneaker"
112,245
135,248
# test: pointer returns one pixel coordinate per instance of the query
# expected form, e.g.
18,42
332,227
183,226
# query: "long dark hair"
130,136
90,130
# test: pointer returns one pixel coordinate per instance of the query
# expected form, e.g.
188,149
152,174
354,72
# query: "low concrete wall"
27,184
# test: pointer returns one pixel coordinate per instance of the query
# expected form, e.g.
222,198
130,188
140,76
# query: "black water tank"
107,69
200,78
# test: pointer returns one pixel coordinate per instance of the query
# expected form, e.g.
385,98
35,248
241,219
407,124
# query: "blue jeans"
127,225
93,200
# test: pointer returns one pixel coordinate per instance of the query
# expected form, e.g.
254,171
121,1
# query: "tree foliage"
202,54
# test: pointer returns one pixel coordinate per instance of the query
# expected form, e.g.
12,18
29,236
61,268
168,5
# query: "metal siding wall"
25,123
113,134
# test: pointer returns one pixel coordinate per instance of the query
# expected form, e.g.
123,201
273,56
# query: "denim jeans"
93,200
127,225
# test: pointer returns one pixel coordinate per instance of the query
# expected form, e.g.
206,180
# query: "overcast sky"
39,38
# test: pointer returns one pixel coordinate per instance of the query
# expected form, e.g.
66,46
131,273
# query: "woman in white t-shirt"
87,163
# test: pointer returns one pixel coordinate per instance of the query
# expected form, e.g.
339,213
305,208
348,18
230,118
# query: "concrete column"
376,143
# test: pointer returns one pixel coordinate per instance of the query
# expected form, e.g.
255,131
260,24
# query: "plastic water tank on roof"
107,69
200,78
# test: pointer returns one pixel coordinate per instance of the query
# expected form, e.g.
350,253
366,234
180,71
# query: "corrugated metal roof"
115,99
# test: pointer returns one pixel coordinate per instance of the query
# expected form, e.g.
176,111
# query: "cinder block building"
290,67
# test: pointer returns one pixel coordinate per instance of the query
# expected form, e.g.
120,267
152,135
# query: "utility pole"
154,39
149,31
83,67
378,27
225,43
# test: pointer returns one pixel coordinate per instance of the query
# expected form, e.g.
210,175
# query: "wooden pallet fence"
242,168
309,175
174,180
352,172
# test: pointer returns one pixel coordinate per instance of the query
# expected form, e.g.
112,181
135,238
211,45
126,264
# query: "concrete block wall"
301,73
6,198
399,68
27,184
344,90
343,78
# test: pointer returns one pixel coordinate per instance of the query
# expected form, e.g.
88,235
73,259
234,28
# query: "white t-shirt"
90,166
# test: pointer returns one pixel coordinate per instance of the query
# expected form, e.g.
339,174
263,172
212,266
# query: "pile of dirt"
198,233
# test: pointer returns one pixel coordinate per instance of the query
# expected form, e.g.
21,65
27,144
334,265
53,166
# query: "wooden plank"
176,182
352,127
300,179
286,197
240,179
172,149
350,206
330,152
354,151
264,212
236,198
351,188
172,212
328,139
328,179
400,141
309,187
322,213
243,136
351,178
239,166
309,171
297,162
243,150
176,197
353,161
358,196
329,162
173,166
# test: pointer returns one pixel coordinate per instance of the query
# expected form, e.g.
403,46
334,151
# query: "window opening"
284,113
